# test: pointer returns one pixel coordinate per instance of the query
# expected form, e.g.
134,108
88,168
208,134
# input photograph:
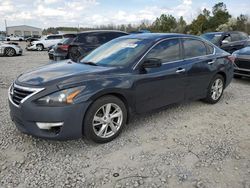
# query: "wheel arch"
223,74
40,44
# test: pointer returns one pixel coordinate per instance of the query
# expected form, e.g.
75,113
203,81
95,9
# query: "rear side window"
105,37
210,49
80,38
243,36
194,48
166,51
69,35
235,37
92,39
52,37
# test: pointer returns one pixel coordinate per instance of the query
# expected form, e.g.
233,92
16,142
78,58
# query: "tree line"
219,19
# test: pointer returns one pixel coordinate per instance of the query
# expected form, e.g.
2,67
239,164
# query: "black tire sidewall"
10,49
209,98
72,53
87,126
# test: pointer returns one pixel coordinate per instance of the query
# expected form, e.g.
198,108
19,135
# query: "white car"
14,38
45,42
10,49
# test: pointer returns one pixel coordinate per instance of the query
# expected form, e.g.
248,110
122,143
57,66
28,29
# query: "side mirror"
224,42
151,63
59,44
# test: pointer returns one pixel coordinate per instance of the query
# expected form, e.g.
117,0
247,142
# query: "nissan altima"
129,75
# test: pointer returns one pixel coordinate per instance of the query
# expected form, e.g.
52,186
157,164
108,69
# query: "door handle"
211,62
180,70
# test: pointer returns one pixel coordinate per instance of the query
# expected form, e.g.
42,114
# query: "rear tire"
9,52
74,54
105,119
215,89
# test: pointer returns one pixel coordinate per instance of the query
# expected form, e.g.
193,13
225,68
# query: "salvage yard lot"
186,145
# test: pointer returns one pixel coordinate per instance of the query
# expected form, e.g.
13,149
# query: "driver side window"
166,51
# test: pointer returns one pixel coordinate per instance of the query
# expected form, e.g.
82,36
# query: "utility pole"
5,21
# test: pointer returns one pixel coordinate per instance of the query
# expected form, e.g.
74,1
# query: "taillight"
231,58
64,47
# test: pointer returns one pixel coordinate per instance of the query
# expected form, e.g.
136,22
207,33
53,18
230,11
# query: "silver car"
10,49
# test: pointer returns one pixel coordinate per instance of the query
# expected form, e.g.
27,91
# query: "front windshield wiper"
90,63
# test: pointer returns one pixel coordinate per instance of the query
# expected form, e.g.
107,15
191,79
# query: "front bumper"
20,52
59,57
28,114
242,72
32,47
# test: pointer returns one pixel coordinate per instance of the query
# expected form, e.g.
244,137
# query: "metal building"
24,30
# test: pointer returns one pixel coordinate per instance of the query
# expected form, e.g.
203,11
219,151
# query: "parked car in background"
10,49
60,50
14,38
242,62
129,75
2,38
45,42
48,41
229,41
87,41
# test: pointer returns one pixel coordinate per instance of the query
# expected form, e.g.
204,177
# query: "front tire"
105,119
215,89
39,47
9,52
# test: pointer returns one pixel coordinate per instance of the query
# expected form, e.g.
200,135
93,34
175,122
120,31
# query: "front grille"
18,94
243,64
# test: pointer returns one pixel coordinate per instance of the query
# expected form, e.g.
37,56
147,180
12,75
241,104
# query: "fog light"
48,126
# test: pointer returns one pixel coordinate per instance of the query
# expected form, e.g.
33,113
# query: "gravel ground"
186,145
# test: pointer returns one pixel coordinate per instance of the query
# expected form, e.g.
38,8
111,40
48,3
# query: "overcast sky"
87,13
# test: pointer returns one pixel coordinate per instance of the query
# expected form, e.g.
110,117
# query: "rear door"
199,59
158,87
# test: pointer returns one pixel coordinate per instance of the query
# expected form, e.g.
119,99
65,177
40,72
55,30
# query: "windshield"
117,52
214,38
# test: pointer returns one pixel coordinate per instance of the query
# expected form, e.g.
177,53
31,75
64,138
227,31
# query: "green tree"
165,23
220,16
181,25
199,25
241,23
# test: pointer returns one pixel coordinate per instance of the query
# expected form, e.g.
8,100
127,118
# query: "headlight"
63,97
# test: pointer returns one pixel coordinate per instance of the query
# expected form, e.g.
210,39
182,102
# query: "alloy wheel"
10,52
39,47
217,89
107,120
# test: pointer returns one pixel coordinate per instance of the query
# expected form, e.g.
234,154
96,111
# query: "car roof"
225,32
102,31
214,33
159,36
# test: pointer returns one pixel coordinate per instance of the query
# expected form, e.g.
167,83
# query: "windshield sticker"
130,45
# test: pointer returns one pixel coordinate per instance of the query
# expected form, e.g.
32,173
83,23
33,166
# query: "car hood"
244,51
61,72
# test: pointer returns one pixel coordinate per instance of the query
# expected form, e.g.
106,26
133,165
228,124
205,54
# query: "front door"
158,87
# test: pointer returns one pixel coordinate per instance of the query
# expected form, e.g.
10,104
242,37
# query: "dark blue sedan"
126,76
